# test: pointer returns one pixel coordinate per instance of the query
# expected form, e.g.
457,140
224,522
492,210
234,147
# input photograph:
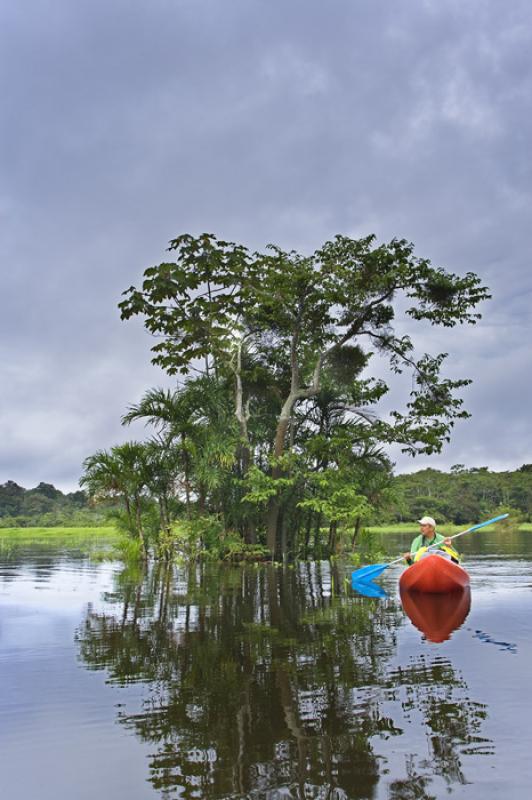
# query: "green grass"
447,528
96,543
57,534
411,527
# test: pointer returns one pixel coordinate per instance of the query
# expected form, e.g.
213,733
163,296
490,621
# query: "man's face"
427,531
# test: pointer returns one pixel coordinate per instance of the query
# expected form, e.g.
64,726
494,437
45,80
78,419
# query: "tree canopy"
279,346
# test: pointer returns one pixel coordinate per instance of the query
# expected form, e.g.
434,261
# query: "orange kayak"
434,574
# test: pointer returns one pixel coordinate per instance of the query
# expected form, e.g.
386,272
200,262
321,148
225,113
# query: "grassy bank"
110,533
447,529
100,542
57,534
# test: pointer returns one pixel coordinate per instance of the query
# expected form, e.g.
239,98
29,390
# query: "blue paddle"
372,571
369,589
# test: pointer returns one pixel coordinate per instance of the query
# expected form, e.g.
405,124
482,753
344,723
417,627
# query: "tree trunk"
358,525
249,532
165,527
332,538
163,520
317,533
283,424
202,498
186,463
244,454
274,505
307,533
282,534
127,503
140,530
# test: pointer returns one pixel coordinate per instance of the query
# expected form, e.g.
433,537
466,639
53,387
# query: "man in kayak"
426,538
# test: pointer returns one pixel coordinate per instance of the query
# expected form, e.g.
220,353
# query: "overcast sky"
125,123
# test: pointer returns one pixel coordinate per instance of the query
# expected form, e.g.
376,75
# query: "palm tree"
162,464
196,428
104,480
169,413
120,473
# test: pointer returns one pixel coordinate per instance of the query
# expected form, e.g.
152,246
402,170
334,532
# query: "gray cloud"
124,124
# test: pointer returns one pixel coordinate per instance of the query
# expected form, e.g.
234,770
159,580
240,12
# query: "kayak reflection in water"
437,615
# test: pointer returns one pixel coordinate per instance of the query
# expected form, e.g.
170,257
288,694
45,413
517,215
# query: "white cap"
427,521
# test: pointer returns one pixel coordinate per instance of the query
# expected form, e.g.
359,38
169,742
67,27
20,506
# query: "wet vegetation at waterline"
274,438
260,678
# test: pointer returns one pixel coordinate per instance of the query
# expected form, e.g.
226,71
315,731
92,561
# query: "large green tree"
280,324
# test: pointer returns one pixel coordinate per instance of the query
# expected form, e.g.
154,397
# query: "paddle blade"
368,573
369,589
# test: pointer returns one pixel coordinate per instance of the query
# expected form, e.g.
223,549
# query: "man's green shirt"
422,541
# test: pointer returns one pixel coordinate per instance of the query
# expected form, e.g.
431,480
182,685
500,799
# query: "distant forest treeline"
45,506
460,496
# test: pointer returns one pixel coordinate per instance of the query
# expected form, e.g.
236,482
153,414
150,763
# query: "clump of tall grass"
128,550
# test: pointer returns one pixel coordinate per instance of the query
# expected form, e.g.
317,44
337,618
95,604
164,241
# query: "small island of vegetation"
273,444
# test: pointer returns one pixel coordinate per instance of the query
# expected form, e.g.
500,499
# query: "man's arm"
414,547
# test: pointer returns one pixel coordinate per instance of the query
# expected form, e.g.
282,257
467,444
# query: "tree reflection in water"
262,683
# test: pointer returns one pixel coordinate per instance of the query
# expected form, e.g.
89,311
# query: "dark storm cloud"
125,123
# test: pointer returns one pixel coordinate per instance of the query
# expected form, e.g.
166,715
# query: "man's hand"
407,557
447,542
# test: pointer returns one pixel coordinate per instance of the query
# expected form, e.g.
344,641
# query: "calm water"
262,682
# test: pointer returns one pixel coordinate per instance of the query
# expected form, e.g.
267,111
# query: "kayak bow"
435,574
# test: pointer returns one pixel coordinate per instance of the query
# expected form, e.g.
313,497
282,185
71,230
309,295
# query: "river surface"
262,682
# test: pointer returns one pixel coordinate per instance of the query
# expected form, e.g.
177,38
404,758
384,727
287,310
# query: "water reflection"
437,616
510,647
262,683
453,721
369,589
